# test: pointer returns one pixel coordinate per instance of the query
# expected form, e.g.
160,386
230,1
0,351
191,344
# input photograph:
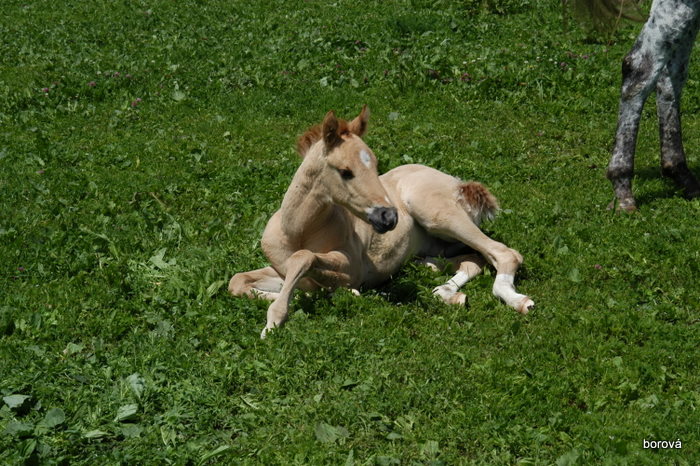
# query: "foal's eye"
346,174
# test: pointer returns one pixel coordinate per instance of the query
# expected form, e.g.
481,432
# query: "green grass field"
144,145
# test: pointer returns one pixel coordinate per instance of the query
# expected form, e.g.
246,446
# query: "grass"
143,145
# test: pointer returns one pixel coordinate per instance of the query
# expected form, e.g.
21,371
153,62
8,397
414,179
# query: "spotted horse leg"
668,98
671,27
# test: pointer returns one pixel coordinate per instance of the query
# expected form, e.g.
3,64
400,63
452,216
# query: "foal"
658,59
342,225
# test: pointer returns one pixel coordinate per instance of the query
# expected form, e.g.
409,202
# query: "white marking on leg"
503,288
448,290
365,158
458,280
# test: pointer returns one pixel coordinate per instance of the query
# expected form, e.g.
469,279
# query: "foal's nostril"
383,219
389,218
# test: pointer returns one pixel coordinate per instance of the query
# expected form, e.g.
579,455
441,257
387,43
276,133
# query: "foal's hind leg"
451,221
262,283
468,266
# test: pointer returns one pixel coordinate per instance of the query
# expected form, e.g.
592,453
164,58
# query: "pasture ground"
143,145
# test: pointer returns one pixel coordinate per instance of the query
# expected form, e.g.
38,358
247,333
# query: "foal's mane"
314,134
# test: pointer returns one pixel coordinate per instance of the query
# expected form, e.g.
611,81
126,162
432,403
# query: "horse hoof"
526,305
459,299
623,205
692,194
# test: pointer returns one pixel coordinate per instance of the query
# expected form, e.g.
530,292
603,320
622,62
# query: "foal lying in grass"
342,225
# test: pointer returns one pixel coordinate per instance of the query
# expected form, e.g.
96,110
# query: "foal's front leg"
329,269
262,283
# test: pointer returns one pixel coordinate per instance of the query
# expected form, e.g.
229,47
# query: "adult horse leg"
668,98
330,269
667,26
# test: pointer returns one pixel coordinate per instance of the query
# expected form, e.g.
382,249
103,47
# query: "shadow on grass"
666,190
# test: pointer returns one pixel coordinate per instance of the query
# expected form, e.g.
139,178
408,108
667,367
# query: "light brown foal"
342,225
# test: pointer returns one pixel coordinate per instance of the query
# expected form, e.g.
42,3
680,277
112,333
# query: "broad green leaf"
54,417
349,384
137,384
178,96
157,259
214,287
430,448
216,452
131,430
350,460
19,429
575,275
126,413
94,434
569,458
15,401
326,433
73,348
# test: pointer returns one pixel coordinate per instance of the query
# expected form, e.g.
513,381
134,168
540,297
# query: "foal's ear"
358,126
330,130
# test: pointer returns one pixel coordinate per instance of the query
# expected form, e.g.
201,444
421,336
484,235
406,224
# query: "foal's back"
427,200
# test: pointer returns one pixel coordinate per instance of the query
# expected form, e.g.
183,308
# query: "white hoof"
526,305
265,331
459,299
450,296
444,291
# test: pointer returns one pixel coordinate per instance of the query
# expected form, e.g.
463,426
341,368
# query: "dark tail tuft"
478,201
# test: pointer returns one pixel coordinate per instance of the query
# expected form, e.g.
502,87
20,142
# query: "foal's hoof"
526,305
460,299
266,331
450,296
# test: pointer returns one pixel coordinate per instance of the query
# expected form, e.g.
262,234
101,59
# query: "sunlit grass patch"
143,148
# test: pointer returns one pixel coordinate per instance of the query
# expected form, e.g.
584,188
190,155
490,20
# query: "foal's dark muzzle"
383,219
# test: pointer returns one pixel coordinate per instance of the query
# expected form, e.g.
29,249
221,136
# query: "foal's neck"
307,205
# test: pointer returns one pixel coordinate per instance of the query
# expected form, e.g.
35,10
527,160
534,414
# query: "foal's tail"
478,201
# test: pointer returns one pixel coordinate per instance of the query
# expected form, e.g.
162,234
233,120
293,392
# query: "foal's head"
349,169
